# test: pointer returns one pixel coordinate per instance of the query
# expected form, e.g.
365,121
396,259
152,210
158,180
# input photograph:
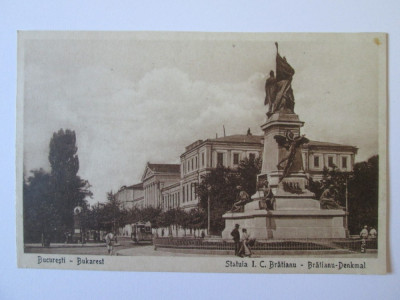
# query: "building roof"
239,138
164,168
236,139
327,144
136,186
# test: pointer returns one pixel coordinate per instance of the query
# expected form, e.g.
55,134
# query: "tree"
113,211
335,180
248,170
134,215
362,192
152,215
180,219
363,195
197,219
220,185
68,189
41,217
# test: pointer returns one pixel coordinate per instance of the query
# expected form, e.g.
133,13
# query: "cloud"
120,125
127,113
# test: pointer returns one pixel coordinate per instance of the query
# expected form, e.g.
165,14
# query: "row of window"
317,162
192,164
189,192
171,200
236,158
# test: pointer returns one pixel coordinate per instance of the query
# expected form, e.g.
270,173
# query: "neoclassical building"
201,157
318,155
130,196
174,185
155,178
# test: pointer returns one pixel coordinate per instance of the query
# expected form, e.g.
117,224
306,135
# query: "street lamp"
208,210
348,174
78,221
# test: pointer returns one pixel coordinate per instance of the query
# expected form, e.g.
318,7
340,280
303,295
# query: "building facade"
131,196
320,155
172,185
171,196
155,178
201,157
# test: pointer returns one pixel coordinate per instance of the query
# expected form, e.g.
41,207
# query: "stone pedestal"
287,224
296,213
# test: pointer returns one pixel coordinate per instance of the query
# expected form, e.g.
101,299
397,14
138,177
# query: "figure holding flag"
278,91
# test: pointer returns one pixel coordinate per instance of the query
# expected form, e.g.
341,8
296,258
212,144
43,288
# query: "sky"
133,98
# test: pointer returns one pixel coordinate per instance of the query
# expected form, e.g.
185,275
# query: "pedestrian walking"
364,236
372,233
236,239
110,242
245,239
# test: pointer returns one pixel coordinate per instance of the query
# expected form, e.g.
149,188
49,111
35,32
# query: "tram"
141,232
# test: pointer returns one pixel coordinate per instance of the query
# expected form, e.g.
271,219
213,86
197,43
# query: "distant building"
130,196
318,155
155,178
201,157
172,185
171,196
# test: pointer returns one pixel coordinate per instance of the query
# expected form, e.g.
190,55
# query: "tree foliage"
363,195
69,190
40,212
49,198
248,170
362,192
221,186
218,187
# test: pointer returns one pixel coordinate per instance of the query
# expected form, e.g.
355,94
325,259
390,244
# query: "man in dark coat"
236,238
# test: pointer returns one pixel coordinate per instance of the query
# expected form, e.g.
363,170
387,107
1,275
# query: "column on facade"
145,196
153,199
152,194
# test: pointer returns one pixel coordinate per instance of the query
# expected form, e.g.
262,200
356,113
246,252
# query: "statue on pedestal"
268,195
327,199
242,199
292,145
278,91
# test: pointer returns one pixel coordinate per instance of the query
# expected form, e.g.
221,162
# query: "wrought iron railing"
270,245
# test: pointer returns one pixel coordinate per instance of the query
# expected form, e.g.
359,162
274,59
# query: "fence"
270,245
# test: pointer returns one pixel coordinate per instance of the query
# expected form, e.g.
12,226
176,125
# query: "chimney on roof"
249,132
224,130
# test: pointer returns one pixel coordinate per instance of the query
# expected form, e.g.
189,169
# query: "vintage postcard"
202,152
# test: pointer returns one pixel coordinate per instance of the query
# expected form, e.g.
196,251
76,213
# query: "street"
88,249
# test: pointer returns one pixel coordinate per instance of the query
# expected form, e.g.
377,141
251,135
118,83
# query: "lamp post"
208,210
348,174
347,208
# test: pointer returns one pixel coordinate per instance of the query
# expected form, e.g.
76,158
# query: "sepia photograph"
202,152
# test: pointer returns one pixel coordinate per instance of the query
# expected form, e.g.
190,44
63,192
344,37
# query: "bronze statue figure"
242,199
327,199
268,196
292,145
292,187
278,91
